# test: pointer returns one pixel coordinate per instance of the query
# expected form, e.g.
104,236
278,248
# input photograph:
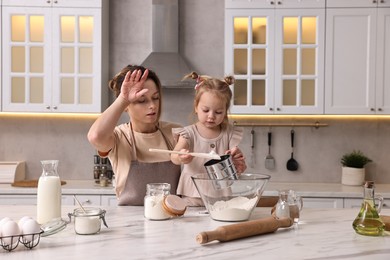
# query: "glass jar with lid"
159,204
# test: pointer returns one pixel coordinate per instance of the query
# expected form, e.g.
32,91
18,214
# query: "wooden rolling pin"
243,229
386,220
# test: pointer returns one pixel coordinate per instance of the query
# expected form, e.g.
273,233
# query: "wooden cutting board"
29,183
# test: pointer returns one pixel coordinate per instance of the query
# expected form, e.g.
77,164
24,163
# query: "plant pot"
353,176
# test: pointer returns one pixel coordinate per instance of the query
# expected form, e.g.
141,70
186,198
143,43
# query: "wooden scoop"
202,155
244,229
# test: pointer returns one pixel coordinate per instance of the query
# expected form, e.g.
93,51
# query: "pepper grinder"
104,180
97,169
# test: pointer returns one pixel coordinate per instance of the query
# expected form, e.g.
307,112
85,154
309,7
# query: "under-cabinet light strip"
315,125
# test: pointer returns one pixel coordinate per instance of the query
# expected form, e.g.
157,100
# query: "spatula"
269,159
211,155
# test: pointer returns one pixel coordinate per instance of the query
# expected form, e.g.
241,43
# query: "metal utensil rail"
316,124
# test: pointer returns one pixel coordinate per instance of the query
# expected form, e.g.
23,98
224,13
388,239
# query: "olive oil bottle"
368,221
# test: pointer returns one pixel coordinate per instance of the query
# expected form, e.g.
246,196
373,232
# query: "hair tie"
199,82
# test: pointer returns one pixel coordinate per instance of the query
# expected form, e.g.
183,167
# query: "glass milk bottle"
49,193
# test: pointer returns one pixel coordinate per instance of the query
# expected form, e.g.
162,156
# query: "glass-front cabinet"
276,54
53,56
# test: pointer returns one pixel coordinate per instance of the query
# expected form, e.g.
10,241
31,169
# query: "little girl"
212,132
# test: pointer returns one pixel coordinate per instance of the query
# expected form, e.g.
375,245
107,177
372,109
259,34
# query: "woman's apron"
141,173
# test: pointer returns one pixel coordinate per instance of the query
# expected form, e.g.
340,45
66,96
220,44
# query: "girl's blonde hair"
218,87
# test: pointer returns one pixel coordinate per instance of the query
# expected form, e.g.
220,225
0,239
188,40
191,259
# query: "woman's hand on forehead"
133,85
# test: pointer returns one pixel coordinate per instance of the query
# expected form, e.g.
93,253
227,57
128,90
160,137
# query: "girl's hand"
185,158
133,85
238,159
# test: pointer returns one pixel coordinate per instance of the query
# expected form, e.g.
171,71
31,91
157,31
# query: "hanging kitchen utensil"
292,164
252,161
269,159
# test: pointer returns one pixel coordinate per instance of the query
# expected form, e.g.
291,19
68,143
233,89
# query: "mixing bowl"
231,200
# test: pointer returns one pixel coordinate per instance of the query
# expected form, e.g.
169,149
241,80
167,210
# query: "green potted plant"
353,171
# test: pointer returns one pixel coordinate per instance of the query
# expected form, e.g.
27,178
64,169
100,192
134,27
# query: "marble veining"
321,234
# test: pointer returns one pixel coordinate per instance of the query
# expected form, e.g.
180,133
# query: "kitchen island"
321,234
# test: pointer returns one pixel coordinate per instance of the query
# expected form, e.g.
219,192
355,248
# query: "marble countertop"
321,234
331,190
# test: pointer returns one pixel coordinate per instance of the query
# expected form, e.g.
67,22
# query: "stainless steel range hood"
165,58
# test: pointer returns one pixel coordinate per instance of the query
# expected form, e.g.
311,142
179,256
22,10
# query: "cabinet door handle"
278,109
380,109
272,2
48,1
87,202
55,107
279,2
271,109
47,107
372,109
374,1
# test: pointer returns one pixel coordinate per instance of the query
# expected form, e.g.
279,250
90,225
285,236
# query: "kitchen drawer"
88,200
334,203
18,199
21,199
357,203
109,200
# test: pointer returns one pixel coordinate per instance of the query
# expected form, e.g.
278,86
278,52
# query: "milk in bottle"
49,193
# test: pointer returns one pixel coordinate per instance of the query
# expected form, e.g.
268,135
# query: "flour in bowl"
236,209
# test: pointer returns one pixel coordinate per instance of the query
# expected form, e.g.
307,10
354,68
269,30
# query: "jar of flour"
159,204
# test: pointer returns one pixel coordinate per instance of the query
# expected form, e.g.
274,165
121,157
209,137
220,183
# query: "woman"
138,92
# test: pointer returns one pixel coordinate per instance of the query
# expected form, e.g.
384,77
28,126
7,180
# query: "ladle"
211,155
78,202
292,164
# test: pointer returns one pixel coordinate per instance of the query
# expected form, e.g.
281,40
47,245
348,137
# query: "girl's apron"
141,173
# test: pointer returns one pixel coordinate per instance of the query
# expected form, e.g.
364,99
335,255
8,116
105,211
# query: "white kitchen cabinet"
86,200
357,203
357,57
356,3
55,55
1,42
89,200
274,3
334,203
276,55
109,200
18,199
23,199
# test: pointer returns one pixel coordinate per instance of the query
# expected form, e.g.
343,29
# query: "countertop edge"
315,190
